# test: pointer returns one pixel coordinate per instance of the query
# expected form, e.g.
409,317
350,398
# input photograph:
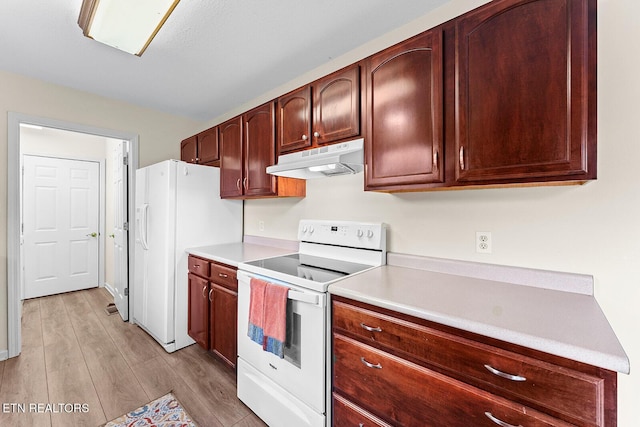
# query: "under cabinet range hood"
331,160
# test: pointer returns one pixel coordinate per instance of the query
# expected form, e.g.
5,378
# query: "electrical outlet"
483,242
261,225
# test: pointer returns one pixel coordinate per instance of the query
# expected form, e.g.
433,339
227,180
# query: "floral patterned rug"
165,411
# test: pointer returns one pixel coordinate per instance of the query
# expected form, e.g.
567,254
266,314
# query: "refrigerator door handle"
144,227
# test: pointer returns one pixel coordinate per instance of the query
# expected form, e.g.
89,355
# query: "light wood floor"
74,353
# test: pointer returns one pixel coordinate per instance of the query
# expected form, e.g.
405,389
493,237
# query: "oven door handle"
303,297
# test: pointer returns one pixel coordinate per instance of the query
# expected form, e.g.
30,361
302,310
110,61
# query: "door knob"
92,234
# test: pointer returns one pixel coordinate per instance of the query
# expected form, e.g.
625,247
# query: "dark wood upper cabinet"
201,148
259,150
231,160
404,98
189,149
525,92
323,112
208,151
294,120
336,106
247,145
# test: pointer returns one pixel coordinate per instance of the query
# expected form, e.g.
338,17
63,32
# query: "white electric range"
295,390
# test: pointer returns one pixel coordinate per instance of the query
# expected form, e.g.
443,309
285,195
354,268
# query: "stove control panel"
362,235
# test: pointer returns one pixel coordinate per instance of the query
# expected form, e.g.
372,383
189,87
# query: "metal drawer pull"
224,276
370,328
461,158
500,422
204,291
370,365
210,292
501,374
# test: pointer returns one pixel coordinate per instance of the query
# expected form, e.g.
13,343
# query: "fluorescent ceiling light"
128,25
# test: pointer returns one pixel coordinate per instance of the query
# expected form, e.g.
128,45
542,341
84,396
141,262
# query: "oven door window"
292,352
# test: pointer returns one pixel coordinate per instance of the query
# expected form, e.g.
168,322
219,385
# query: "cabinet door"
231,166
403,147
294,120
525,91
208,146
198,322
189,150
223,323
336,106
259,151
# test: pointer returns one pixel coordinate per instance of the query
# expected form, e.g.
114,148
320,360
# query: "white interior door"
61,203
120,231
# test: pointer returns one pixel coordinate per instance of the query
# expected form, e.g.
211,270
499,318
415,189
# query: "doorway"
16,274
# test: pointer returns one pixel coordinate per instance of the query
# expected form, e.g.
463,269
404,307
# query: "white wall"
592,229
159,137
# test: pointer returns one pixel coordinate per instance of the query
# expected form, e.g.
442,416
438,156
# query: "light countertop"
566,324
236,253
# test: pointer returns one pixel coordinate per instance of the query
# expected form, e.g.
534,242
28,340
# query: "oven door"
302,371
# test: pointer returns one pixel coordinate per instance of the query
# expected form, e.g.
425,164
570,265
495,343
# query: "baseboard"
4,355
109,288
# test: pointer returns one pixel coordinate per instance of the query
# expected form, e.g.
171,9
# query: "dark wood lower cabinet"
198,309
213,307
223,323
394,369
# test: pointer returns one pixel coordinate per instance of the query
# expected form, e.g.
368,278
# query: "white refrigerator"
178,206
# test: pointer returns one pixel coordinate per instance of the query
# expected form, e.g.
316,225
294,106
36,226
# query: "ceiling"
211,55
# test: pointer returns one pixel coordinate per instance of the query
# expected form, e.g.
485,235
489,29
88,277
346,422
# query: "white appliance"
296,390
330,160
177,206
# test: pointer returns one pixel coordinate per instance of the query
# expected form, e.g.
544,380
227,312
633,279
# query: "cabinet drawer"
224,275
198,266
348,414
407,394
545,386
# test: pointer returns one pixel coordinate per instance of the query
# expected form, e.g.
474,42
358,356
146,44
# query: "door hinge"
125,226
126,292
125,159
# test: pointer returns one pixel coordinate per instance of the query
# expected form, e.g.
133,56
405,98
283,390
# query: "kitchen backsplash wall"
592,229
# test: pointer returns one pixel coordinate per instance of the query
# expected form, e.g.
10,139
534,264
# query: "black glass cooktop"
310,267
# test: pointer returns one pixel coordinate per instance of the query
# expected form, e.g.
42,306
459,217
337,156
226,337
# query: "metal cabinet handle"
370,365
224,276
501,374
461,158
370,328
196,266
304,137
245,181
499,422
316,134
238,184
435,160
210,291
197,160
204,291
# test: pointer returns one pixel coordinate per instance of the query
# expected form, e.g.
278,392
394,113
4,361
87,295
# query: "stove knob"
370,233
360,233
311,229
304,229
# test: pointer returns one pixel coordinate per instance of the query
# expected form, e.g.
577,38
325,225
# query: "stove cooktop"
313,268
